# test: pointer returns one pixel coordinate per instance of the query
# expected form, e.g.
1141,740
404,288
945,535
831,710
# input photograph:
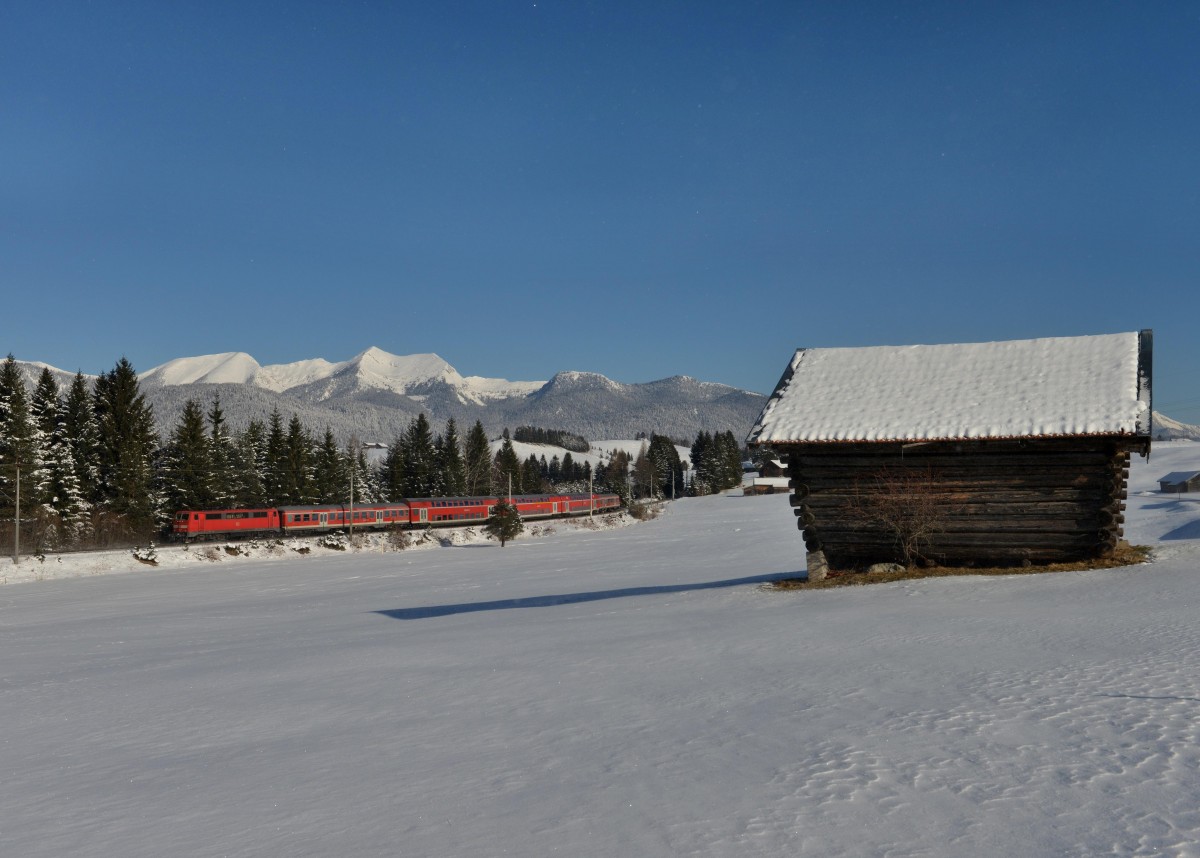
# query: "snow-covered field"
630,691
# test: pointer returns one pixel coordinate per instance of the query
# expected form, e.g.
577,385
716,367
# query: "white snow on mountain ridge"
372,369
227,368
1168,429
285,376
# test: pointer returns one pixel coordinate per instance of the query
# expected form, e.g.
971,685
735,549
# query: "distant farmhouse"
1180,481
1003,453
772,477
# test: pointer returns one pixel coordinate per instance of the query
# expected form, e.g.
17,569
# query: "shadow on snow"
1191,530
572,598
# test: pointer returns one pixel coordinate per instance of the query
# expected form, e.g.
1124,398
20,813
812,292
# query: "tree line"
94,473
553,437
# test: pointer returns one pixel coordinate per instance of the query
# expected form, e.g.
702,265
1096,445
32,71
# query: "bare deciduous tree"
910,504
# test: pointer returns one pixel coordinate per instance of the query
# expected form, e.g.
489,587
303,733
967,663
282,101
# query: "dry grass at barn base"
1124,555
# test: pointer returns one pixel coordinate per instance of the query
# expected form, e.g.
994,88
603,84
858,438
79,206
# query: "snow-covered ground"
631,691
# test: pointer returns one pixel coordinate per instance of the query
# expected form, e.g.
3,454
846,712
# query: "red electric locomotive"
194,524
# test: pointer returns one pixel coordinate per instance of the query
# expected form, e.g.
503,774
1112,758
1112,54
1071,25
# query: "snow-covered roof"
1058,386
1179,476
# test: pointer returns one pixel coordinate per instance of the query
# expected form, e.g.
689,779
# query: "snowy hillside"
605,449
1166,429
588,692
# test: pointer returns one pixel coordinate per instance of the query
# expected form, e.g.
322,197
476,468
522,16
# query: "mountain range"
376,394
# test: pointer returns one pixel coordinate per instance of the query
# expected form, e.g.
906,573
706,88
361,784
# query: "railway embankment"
170,558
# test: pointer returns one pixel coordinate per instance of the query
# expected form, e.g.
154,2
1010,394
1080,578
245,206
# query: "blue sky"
640,189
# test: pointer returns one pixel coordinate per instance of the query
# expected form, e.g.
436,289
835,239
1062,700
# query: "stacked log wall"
993,502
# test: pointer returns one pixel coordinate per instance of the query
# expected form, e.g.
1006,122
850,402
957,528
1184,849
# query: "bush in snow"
336,541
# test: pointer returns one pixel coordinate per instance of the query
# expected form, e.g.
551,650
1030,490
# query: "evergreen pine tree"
275,471
439,481
504,523
451,464
45,405
43,421
477,462
298,474
63,506
18,448
643,473
127,443
187,479
668,468
366,481
83,436
506,469
248,462
702,476
221,457
419,471
531,476
614,477
331,473
732,459
392,475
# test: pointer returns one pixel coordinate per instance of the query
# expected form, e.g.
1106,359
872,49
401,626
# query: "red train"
410,512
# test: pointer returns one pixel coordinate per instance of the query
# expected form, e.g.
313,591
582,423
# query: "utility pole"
353,464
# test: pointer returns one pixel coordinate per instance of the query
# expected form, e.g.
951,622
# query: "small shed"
1180,481
996,453
766,486
773,468
772,478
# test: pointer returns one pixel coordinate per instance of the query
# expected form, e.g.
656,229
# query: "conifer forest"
83,466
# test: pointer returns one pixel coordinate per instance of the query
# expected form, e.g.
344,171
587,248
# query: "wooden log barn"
976,454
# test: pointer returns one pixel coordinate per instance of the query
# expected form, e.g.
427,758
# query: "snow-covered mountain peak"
1168,429
225,368
284,376
400,373
571,379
